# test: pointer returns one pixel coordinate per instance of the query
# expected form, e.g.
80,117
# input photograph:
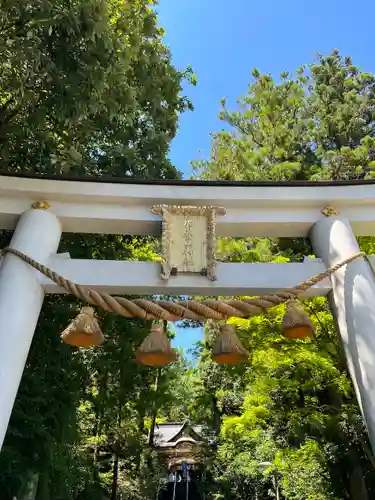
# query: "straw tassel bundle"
84,330
228,349
156,349
296,322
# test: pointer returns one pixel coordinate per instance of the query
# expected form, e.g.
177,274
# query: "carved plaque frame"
188,239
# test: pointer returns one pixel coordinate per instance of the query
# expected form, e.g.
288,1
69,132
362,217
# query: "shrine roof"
186,182
169,434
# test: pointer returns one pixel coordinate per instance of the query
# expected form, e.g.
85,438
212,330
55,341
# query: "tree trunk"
357,484
28,492
141,420
115,476
216,415
358,489
43,488
141,429
152,428
98,430
99,423
154,411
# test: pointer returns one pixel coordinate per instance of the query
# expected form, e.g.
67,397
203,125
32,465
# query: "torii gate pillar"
353,294
37,234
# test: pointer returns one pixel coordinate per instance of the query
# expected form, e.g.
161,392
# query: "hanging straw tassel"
296,322
228,349
84,330
156,349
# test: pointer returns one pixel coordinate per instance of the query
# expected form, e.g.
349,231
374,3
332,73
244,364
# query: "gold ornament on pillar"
41,205
296,322
329,211
156,349
84,330
227,348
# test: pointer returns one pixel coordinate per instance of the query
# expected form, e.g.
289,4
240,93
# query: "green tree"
86,87
319,124
294,405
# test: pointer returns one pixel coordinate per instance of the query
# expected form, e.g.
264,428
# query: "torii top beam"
123,206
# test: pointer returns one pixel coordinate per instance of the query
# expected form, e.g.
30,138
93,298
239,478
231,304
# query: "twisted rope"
175,311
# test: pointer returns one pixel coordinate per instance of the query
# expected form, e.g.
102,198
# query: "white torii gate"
124,207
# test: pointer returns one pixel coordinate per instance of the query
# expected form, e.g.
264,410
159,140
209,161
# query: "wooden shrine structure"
178,443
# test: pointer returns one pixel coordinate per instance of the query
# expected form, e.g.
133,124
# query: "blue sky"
224,41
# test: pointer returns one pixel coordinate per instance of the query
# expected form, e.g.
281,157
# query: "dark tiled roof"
187,182
168,434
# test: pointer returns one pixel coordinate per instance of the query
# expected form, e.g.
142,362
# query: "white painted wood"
353,294
105,208
143,278
37,234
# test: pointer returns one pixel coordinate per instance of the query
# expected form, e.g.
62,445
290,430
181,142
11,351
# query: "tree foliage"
293,406
86,87
316,125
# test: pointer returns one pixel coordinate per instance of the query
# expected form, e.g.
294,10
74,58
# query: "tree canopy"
87,87
316,125
293,406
